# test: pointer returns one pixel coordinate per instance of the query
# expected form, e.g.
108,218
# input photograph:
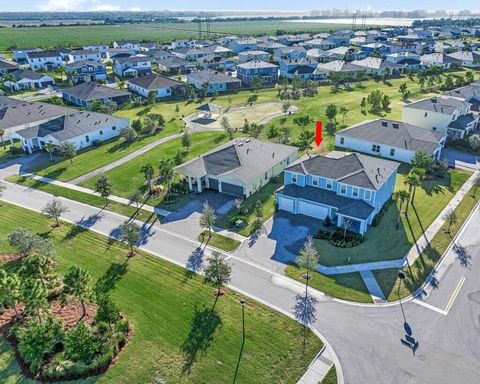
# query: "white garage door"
285,204
312,210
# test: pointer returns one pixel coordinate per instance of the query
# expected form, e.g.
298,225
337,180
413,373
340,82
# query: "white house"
245,56
183,43
97,47
81,128
48,60
84,55
441,114
378,67
20,54
162,86
132,66
127,44
216,81
467,58
390,139
29,80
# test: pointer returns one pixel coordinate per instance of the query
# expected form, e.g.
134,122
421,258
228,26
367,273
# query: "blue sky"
91,5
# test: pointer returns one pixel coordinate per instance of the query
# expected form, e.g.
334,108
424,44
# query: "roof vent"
240,144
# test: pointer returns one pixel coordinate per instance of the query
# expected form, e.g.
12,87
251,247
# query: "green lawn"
127,178
348,286
331,376
5,154
224,243
95,157
430,200
388,279
96,201
171,312
266,196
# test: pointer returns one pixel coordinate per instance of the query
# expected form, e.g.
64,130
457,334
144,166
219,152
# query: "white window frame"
341,189
315,181
294,178
353,191
367,191
327,181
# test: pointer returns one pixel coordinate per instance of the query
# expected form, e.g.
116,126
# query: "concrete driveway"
279,241
186,219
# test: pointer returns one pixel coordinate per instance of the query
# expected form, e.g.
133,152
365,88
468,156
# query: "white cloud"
76,5
135,9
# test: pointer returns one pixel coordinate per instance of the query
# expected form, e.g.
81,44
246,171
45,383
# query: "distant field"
47,37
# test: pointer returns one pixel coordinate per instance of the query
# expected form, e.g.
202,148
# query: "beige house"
240,167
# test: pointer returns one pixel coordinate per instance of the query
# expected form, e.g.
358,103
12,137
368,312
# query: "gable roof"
212,76
244,159
7,65
43,54
466,92
27,74
394,133
438,104
350,168
92,90
81,63
256,64
154,81
376,63
340,66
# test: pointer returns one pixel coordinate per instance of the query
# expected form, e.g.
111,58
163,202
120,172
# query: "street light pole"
401,276
243,320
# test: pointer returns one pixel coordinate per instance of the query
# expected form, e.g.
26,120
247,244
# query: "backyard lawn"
383,242
419,271
127,178
178,338
95,157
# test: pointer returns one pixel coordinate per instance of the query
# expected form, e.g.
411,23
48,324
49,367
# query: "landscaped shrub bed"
60,326
378,218
340,238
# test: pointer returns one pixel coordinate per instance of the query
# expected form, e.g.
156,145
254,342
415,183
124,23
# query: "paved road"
366,338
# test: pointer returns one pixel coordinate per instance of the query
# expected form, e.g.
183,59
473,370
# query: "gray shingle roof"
244,159
256,64
43,54
27,74
438,104
461,122
352,168
154,81
351,207
7,65
466,92
340,66
395,133
212,76
81,63
14,113
92,90
71,125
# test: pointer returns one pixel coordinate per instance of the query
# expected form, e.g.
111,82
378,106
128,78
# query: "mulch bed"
8,257
71,313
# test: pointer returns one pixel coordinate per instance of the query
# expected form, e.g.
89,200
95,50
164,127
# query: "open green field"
127,178
49,37
178,338
95,157
430,199
419,271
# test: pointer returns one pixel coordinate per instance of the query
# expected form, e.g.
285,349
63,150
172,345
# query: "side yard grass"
96,201
178,337
330,377
388,279
430,199
92,158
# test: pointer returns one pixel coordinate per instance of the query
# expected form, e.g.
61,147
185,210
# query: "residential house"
216,62
48,60
81,71
20,54
245,56
189,53
342,67
90,92
148,46
290,53
7,67
375,49
240,167
406,59
117,53
84,55
378,67
217,81
29,80
102,48
361,41
346,187
395,46
127,44
132,66
467,58
82,128
269,46
162,86
302,68
439,60
244,44
183,43
469,93
340,38
319,43
175,65
290,40
441,114
267,72
391,139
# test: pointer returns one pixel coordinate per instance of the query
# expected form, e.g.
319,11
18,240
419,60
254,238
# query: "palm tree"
167,171
148,172
476,185
103,187
400,196
208,218
50,148
2,134
413,182
451,218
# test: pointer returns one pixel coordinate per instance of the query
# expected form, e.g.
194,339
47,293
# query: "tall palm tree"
50,148
400,196
2,134
166,168
148,172
412,181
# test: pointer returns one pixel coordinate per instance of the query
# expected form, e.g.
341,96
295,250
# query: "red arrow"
318,133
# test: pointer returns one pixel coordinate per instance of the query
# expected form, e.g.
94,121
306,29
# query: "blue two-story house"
81,71
267,72
341,186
